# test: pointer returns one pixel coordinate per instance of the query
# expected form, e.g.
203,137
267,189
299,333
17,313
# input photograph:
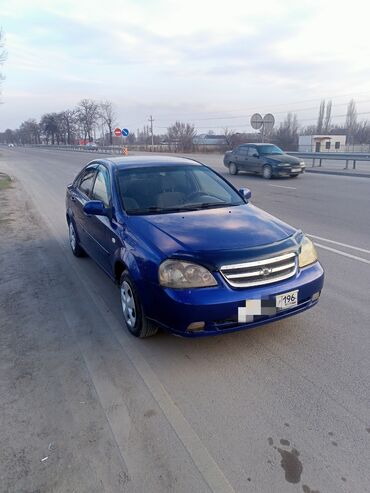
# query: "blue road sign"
125,132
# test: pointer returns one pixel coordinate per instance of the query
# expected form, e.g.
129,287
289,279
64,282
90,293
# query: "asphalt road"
283,408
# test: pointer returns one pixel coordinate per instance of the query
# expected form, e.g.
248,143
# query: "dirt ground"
53,437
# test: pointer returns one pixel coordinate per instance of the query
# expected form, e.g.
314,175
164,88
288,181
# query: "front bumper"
175,310
291,171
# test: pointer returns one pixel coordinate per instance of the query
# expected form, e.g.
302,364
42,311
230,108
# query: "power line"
251,110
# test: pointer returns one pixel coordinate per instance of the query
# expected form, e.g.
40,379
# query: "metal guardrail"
337,156
80,148
119,150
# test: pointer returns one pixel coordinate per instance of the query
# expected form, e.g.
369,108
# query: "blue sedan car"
190,253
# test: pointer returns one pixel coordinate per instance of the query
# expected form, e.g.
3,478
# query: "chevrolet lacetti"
189,252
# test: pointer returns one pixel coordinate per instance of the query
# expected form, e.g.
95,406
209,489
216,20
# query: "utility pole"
151,128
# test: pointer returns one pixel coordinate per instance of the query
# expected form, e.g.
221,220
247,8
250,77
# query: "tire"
77,250
233,169
132,310
267,172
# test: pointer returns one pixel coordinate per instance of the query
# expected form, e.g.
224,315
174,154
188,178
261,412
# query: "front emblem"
265,271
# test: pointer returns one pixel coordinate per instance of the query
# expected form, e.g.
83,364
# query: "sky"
209,63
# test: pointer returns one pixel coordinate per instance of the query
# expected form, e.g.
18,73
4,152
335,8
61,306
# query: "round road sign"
125,132
117,132
256,121
268,121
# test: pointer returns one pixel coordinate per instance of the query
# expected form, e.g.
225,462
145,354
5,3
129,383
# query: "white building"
322,143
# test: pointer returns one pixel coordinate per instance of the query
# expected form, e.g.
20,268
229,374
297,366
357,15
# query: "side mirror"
255,155
95,208
245,193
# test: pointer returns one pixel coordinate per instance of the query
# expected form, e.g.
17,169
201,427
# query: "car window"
101,190
87,180
269,149
252,151
242,152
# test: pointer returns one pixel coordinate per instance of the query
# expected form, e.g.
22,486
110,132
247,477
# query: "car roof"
124,162
258,144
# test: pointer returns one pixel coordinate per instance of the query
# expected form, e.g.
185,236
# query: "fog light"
195,326
316,296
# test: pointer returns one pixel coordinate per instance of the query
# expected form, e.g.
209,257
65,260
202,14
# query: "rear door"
101,228
81,194
242,158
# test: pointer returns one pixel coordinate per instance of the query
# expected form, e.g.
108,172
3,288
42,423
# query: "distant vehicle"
189,252
10,145
91,145
267,160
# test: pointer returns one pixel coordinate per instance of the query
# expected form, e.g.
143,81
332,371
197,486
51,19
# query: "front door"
318,147
254,161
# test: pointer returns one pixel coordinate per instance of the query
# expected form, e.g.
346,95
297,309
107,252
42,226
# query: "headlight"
178,274
302,163
307,254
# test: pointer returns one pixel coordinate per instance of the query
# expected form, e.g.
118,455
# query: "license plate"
287,300
296,170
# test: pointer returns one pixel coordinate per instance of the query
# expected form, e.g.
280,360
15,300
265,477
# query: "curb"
339,173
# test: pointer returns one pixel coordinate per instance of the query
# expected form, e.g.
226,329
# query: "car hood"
215,236
282,158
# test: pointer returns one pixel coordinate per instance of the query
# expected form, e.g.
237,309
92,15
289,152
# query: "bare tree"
320,119
351,121
181,135
49,124
228,134
108,115
286,135
67,121
30,132
327,121
87,114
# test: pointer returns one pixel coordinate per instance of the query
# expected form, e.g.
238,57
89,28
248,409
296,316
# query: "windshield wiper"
183,208
210,205
155,209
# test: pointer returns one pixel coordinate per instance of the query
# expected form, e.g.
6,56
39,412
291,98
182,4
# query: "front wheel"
77,250
233,169
133,313
267,172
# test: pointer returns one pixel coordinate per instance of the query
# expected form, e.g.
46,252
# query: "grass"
5,181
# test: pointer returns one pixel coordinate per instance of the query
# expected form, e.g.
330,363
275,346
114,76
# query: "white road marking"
282,186
340,244
344,254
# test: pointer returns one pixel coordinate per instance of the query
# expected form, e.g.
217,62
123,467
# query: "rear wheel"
267,172
133,313
77,250
233,169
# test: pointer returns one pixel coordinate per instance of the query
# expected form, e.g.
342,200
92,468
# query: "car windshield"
165,189
269,149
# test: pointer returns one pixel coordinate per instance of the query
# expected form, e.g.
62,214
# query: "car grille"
260,272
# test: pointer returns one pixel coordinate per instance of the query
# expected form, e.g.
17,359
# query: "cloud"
168,56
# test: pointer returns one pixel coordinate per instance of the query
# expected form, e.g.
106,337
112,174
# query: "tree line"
90,118
67,127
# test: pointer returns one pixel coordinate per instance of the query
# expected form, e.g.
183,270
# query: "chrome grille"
260,272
